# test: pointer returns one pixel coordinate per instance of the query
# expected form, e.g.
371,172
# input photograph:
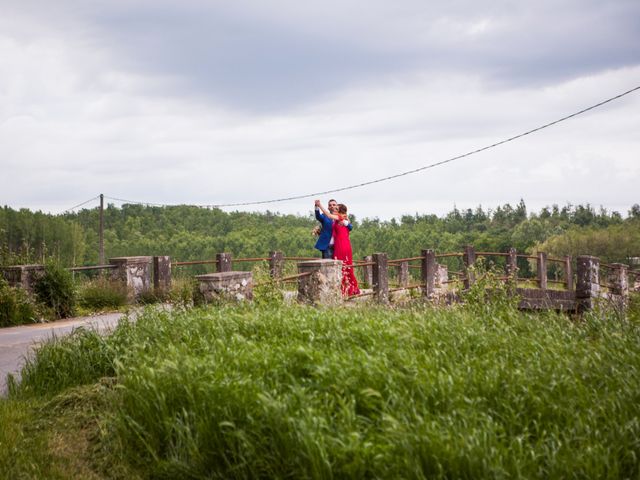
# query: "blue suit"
325,234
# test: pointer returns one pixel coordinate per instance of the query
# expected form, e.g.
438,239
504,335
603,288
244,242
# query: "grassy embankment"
480,391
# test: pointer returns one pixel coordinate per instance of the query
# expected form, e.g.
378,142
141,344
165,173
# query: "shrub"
266,291
102,293
184,292
55,290
489,296
148,297
15,306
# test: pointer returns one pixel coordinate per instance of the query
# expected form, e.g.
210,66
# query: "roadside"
17,342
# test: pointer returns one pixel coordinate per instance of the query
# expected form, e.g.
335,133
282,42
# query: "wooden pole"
542,270
101,234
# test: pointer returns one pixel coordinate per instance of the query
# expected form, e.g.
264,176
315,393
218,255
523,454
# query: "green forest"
195,233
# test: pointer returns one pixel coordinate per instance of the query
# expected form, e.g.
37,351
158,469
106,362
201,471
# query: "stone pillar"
135,273
618,279
429,271
635,281
226,286
380,278
619,282
588,282
403,274
442,276
23,276
512,266
568,273
161,274
469,259
223,262
276,264
634,274
323,284
368,271
542,270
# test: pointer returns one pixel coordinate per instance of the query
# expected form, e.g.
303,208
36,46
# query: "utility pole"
101,262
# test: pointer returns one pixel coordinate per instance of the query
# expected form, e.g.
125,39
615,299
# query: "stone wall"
224,286
135,273
323,283
23,276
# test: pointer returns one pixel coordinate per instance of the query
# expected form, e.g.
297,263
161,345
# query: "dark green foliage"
192,233
55,290
16,308
611,244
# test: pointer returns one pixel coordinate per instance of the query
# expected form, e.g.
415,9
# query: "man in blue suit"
325,239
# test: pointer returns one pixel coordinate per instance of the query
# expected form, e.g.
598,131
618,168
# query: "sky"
216,103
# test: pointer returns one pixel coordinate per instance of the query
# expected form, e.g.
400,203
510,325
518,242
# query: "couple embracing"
334,242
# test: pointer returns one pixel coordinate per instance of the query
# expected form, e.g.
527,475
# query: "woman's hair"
342,208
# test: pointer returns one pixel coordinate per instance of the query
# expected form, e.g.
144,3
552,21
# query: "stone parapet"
162,274
23,276
323,283
276,264
135,273
225,286
587,282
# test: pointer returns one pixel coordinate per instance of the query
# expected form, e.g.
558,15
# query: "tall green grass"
272,392
102,293
16,308
23,449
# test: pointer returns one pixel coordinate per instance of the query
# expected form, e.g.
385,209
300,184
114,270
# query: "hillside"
192,233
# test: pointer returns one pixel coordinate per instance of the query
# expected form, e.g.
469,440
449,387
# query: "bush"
488,296
55,290
102,293
184,292
15,306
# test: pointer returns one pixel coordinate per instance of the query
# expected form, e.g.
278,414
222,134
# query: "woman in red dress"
342,249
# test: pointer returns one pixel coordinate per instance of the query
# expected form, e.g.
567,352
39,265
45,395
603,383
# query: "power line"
148,204
408,172
81,204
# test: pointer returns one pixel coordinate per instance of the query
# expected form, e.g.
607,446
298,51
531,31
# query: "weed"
267,291
184,292
102,293
55,290
489,296
16,308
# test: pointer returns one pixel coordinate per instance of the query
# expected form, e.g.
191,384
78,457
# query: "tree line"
195,233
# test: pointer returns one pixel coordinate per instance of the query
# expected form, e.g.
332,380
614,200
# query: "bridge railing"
428,273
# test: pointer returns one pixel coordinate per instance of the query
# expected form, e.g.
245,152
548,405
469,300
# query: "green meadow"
272,391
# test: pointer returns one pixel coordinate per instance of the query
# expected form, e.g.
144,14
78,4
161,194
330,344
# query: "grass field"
475,391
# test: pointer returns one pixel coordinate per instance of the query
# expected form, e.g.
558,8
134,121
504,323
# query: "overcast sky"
212,102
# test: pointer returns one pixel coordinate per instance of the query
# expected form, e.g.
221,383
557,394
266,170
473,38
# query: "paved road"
17,342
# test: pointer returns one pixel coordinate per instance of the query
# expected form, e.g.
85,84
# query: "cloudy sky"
212,102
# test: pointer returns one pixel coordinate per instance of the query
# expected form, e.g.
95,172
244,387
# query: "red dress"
342,251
